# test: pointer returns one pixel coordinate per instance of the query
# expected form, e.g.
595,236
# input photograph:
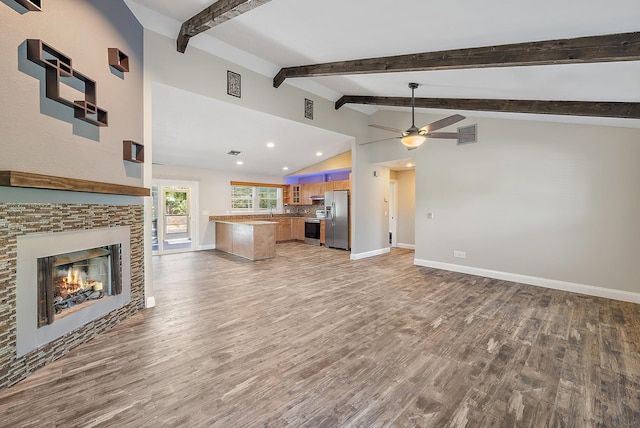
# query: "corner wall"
543,203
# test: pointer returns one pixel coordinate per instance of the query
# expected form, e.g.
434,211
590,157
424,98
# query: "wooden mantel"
49,182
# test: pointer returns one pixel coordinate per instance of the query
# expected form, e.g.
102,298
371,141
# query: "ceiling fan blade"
438,124
377,141
386,128
451,135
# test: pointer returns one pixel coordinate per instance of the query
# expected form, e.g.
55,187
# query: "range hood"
317,197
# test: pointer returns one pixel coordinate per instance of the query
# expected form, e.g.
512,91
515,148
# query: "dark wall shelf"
59,65
132,151
32,5
118,60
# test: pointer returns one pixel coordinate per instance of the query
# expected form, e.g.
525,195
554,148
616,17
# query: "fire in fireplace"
70,281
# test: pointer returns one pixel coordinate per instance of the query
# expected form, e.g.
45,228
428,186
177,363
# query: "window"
241,198
267,197
256,198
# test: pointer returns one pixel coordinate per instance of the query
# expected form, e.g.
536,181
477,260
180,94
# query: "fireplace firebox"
71,281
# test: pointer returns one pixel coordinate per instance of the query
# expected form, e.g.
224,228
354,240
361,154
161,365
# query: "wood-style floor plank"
311,338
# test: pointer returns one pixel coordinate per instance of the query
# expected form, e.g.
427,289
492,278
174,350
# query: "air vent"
471,129
234,153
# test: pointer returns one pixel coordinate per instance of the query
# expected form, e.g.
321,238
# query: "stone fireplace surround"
18,219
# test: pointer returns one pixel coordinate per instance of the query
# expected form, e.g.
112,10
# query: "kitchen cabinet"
322,229
341,185
305,193
314,189
294,193
297,228
283,229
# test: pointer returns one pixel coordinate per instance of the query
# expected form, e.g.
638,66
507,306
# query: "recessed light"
239,163
319,154
270,144
286,168
409,165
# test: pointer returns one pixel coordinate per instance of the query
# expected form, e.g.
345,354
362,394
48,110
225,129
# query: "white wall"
406,207
214,193
42,136
543,200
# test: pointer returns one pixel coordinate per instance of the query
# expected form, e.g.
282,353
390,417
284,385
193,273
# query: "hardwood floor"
312,339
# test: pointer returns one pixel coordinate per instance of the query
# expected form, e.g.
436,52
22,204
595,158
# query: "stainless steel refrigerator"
336,205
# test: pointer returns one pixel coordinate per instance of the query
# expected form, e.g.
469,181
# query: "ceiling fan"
414,136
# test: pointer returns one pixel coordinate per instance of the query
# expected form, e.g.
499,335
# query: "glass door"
173,228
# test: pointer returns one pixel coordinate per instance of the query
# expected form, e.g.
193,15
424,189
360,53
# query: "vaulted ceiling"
291,33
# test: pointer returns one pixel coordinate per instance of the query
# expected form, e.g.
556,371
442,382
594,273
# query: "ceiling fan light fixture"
413,140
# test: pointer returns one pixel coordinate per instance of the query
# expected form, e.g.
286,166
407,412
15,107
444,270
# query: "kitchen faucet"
270,210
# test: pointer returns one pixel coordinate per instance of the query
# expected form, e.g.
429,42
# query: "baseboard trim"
625,296
407,246
370,253
207,247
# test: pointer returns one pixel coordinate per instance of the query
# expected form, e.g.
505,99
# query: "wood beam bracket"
219,12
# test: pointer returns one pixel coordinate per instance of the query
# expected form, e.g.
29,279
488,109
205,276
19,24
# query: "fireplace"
72,281
66,280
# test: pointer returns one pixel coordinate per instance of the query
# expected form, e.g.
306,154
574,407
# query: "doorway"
174,221
393,213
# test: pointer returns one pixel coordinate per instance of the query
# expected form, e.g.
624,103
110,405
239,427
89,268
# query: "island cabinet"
322,229
254,240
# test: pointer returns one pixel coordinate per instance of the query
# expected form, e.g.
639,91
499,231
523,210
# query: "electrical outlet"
429,216
459,254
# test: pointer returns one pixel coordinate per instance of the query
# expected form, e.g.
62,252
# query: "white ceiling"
185,134
285,33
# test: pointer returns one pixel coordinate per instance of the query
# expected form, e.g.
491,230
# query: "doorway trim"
194,223
393,212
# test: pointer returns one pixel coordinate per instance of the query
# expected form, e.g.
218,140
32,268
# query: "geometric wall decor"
132,151
58,66
308,108
233,84
118,60
32,5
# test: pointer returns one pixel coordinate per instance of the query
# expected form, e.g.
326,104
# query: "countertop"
248,222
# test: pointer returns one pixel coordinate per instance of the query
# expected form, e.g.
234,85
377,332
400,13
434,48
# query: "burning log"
75,298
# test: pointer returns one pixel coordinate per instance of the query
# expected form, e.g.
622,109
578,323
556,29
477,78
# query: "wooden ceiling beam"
606,48
626,110
217,13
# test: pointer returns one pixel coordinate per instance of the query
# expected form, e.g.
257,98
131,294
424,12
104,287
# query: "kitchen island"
252,239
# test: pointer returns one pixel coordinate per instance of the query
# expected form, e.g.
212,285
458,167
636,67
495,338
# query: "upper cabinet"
293,194
300,194
340,185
